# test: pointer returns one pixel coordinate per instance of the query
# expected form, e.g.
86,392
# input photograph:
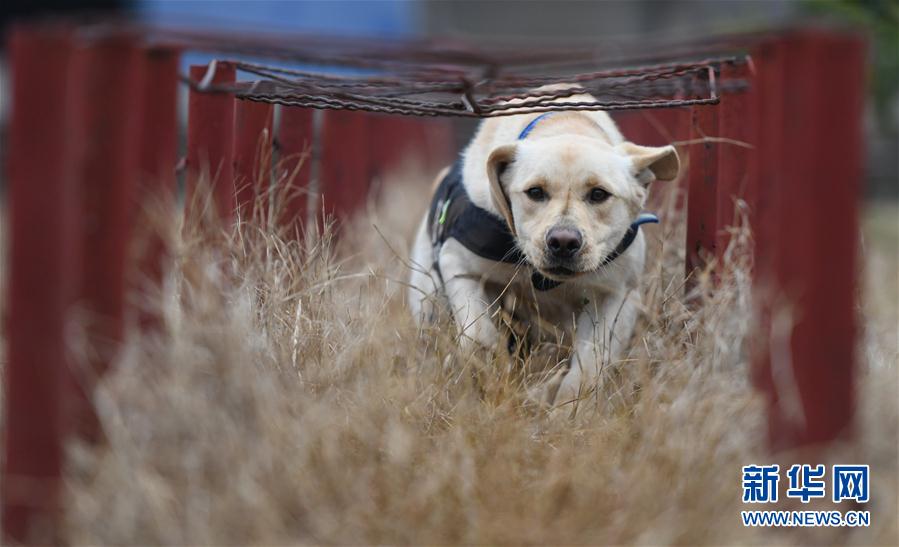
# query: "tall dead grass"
291,399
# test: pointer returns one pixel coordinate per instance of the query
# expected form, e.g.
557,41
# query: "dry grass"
293,400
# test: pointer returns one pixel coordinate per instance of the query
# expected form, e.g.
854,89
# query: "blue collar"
645,218
530,127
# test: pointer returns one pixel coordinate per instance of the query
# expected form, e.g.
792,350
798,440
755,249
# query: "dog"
545,210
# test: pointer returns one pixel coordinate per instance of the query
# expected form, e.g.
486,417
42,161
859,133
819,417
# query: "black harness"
453,215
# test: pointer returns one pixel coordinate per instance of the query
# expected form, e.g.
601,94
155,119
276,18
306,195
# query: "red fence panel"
806,267
766,175
398,139
159,155
43,242
658,127
702,220
439,148
159,121
635,126
752,103
210,138
112,71
654,127
295,139
825,337
253,124
736,125
346,167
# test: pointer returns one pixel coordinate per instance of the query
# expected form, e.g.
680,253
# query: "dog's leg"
469,303
423,292
602,331
424,282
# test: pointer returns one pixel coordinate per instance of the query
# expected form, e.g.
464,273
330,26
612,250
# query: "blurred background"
532,23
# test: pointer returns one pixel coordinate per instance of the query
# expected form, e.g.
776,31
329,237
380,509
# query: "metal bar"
827,335
210,138
113,75
159,127
753,119
813,327
253,124
325,102
701,191
156,194
733,160
42,282
766,180
295,136
346,162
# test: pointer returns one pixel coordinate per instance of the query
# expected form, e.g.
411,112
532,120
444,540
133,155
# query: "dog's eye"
536,193
598,195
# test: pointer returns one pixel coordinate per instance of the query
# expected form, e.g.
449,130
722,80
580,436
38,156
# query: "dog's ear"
497,163
652,162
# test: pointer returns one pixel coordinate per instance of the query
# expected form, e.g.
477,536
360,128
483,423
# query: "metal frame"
210,138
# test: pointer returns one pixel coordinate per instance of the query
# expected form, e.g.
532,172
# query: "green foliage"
880,18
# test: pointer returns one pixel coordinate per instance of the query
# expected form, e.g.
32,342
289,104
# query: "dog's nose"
564,242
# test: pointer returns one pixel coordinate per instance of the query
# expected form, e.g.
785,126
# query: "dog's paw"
542,393
569,395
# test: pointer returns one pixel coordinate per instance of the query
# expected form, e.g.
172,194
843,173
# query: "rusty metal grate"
657,86
423,78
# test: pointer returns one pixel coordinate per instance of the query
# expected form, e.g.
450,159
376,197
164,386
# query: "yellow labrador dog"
545,208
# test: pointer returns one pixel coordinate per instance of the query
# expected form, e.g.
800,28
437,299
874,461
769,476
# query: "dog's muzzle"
564,243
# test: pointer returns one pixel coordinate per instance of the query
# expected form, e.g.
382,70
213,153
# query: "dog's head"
569,199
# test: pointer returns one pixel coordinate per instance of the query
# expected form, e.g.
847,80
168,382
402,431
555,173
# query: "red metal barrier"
253,124
112,71
346,167
702,215
42,209
766,174
210,138
156,194
734,124
635,126
295,135
439,147
810,281
159,122
658,127
397,139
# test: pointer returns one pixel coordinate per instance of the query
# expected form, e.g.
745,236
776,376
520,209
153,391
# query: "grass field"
292,399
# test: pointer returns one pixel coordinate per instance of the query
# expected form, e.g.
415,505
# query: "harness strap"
453,215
